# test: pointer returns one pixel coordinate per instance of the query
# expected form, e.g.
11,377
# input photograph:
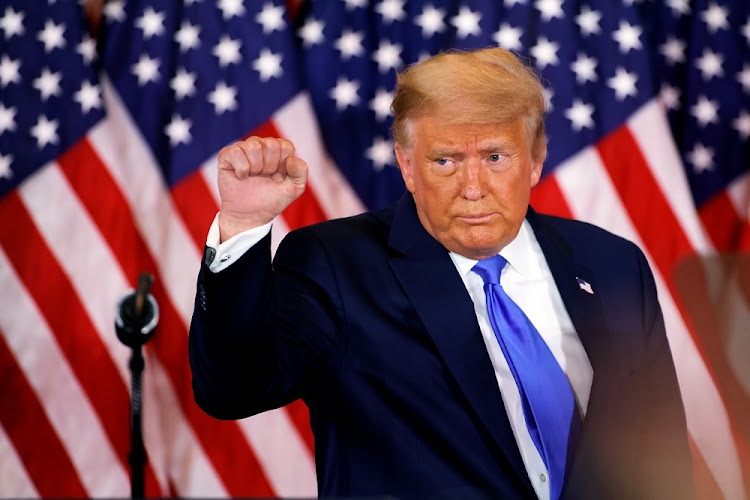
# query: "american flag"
108,163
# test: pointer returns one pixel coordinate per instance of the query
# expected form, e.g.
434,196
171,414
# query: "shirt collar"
520,254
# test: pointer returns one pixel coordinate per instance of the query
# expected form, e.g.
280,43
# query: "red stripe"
224,443
705,483
21,414
722,222
668,245
196,206
76,335
547,198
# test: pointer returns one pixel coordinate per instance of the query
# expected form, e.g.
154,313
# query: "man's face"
471,183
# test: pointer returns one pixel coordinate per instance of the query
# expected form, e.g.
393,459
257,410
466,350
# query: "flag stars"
710,64
746,30
580,115
550,9
114,11
673,50
702,158
354,4
268,65
227,51
588,21
12,23
223,98
670,96
52,36
545,52
87,49
151,23
381,153
705,111
585,69
231,8
623,83
431,20
48,84
312,32
381,104
388,56
628,37
508,37
187,37
350,44
178,130
146,69
9,71
391,10
466,22
5,170
679,7
45,132
715,17
271,18
742,124
7,119
183,84
744,78
88,97
345,93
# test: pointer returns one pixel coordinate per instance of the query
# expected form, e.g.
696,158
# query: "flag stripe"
546,197
43,455
587,186
60,305
196,206
14,476
722,222
94,186
37,353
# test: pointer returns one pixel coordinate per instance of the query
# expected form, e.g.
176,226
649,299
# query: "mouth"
477,218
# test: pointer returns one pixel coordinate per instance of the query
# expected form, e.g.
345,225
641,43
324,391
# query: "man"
432,368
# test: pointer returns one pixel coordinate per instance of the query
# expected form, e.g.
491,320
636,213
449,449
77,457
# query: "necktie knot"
490,269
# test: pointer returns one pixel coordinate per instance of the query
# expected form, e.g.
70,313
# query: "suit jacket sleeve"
261,336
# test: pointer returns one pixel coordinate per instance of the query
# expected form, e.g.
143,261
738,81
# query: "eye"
495,158
442,161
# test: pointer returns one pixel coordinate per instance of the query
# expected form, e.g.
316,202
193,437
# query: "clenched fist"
258,178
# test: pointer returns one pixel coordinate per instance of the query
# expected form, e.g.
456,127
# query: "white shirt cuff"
235,247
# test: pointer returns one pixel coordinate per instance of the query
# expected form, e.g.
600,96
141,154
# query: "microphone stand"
136,316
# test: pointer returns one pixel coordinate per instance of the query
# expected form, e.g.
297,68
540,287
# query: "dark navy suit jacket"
367,320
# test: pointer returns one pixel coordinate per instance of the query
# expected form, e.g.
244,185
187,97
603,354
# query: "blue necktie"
549,405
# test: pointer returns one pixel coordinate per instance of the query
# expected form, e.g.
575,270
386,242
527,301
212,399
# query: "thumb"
296,171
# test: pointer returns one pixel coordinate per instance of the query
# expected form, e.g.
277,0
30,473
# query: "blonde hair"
483,86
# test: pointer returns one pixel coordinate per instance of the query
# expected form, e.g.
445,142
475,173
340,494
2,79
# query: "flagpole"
137,315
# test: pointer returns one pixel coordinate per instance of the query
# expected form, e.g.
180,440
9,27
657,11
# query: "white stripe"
289,466
209,172
14,481
128,159
651,131
97,278
64,401
591,196
192,473
739,193
296,122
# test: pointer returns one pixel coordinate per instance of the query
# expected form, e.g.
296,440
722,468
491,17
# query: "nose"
472,181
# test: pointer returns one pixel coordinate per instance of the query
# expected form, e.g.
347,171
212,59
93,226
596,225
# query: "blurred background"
111,117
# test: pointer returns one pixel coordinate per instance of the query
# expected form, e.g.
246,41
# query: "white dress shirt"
529,282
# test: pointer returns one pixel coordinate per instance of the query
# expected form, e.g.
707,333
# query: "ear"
536,171
403,157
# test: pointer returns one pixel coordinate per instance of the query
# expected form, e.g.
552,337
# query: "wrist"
231,225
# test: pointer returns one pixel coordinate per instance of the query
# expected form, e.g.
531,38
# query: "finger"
287,151
271,156
253,150
233,158
296,170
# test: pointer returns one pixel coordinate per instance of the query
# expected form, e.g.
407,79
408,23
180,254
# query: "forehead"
431,131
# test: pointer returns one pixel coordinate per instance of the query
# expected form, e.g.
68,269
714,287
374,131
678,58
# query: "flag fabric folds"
108,146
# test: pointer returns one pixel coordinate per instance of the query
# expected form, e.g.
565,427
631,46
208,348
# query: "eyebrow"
487,147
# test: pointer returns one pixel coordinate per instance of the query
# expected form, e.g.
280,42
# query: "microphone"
137,313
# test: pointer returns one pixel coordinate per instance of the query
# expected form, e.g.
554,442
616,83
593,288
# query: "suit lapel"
435,289
584,308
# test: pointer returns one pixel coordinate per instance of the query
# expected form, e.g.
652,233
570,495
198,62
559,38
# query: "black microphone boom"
136,317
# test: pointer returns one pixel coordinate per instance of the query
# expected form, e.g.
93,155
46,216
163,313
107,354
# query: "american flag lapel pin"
585,285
